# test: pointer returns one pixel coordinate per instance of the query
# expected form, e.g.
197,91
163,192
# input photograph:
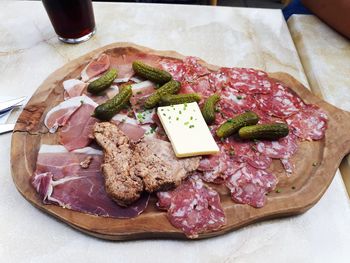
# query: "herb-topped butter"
187,130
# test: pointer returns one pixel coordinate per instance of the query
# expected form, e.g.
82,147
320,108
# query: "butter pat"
187,130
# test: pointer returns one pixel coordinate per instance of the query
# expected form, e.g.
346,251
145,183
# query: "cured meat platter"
315,162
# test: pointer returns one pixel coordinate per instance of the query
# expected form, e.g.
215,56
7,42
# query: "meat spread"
130,168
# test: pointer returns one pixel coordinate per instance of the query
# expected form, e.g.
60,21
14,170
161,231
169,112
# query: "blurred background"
236,3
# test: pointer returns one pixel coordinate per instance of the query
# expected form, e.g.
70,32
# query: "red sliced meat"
175,67
123,64
249,185
77,132
73,88
245,151
214,167
95,67
282,102
200,85
129,126
245,80
193,69
193,207
60,114
140,92
310,123
76,188
284,148
164,200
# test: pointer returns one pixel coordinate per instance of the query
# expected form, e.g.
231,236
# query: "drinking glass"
72,20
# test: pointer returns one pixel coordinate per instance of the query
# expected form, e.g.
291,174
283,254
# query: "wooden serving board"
299,192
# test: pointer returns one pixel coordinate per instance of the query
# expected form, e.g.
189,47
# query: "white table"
326,59
29,51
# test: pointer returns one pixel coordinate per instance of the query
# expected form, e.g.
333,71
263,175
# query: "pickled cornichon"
264,131
111,107
170,87
232,126
169,99
103,82
208,110
153,74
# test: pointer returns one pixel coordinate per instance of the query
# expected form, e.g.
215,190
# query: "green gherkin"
179,99
153,74
111,107
103,82
232,126
264,131
208,110
170,87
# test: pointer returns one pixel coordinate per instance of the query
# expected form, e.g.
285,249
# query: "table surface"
325,56
259,38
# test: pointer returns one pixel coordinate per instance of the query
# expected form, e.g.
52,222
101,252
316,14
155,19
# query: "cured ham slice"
95,67
129,127
309,124
193,207
60,179
73,88
59,115
249,185
140,92
124,64
77,132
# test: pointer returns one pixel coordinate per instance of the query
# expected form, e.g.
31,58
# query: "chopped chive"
191,126
239,97
186,123
278,191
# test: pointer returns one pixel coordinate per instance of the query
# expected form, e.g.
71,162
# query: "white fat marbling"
30,51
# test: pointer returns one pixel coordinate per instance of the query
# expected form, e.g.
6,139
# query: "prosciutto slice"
77,132
60,179
129,127
59,115
140,92
95,67
73,88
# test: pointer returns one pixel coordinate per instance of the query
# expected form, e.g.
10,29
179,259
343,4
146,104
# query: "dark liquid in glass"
71,19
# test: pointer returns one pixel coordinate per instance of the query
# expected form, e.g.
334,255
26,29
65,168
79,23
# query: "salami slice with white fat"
245,151
282,102
249,185
175,67
284,148
193,69
309,124
193,207
245,80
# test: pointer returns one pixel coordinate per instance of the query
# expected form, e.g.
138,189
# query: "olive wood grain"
316,163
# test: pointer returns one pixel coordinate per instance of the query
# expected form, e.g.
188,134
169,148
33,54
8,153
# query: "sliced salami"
193,207
249,185
175,67
214,167
245,80
245,151
282,102
309,124
200,85
193,69
284,148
